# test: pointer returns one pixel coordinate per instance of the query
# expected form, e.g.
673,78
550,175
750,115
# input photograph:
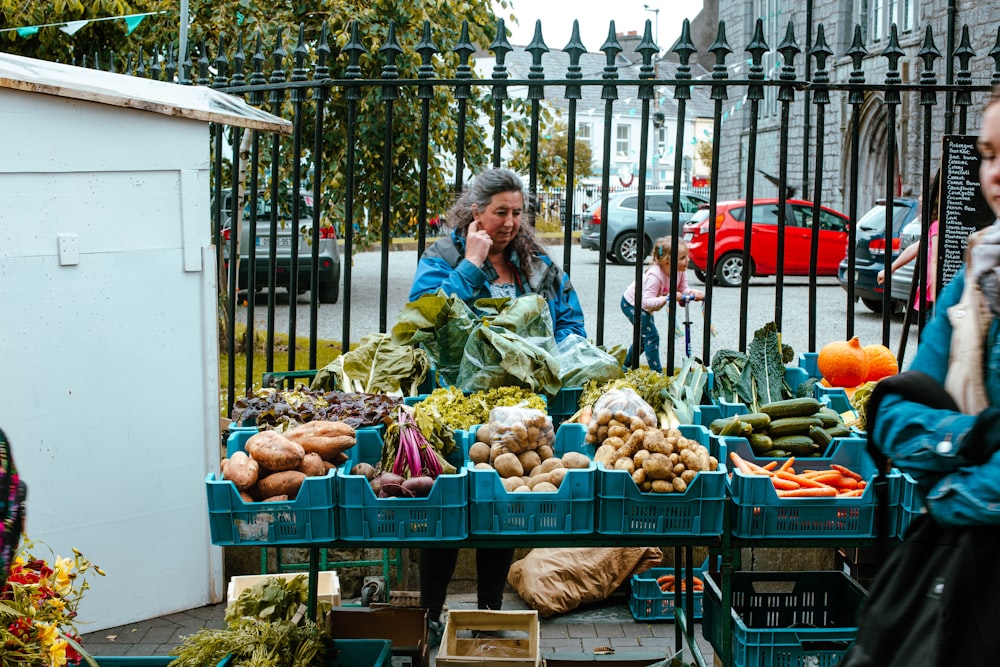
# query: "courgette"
820,436
792,426
797,445
791,407
760,442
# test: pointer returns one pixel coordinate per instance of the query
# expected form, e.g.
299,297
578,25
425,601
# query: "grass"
326,351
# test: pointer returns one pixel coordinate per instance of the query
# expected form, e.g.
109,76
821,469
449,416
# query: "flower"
38,606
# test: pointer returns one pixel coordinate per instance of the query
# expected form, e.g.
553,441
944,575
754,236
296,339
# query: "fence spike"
757,48
720,72
821,52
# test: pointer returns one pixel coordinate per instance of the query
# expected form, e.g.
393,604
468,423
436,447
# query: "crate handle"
822,645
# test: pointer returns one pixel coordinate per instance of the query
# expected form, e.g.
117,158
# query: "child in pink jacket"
655,288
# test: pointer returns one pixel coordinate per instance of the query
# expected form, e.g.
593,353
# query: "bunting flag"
132,21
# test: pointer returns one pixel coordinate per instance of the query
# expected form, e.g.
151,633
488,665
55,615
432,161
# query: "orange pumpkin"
843,363
881,362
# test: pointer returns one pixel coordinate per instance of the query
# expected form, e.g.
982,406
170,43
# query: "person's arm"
433,273
907,255
569,313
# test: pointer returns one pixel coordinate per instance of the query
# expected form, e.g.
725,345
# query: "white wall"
109,358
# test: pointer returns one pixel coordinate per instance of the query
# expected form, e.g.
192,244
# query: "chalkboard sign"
963,208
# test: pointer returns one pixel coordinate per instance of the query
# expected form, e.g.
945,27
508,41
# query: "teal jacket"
443,266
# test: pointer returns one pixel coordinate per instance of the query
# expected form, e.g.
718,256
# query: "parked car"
869,254
730,230
623,209
329,253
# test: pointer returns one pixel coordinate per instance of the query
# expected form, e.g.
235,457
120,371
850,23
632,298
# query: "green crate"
785,618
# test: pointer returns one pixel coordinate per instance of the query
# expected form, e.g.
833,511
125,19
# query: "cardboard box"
517,648
625,659
327,587
405,628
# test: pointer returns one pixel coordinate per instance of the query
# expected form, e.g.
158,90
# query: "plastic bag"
441,325
496,357
517,429
580,360
623,404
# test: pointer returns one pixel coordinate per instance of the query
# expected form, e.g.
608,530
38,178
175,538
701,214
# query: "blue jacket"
928,443
443,266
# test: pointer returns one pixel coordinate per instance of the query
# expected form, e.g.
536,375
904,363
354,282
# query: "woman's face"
989,152
501,218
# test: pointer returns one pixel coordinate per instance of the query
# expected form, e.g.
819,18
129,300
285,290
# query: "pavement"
570,637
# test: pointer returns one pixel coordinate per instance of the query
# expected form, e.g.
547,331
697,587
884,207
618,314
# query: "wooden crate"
521,649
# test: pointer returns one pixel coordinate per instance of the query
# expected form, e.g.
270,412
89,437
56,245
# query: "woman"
490,250
910,252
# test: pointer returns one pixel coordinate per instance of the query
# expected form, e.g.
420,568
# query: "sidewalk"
572,636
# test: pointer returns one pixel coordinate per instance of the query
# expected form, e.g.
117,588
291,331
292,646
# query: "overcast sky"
595,16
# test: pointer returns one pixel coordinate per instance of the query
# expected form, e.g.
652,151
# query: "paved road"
831,319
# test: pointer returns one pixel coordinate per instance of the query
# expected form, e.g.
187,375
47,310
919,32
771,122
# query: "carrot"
862,484
787,465
800,479
847,472
851,493
771,465
784,484
586,414
811,492
846,483
740,463
665,579
830,478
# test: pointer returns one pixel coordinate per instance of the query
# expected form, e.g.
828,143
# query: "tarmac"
585,634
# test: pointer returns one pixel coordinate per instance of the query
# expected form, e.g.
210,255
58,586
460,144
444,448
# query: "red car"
729,233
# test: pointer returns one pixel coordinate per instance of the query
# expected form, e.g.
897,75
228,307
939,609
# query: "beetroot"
419,486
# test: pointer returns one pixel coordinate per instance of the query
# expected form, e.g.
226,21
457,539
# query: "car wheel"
729,270
700,275
329,291
625,248
875,305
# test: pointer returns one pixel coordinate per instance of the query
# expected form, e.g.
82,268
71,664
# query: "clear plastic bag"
516,429
580,361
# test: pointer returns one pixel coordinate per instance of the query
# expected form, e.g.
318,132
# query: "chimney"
629,41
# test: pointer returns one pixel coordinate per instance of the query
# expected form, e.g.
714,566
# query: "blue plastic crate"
622,509
809,362
785,618
442,515
350,653
564,404
761,513
309,518
648,603
909,506
495,511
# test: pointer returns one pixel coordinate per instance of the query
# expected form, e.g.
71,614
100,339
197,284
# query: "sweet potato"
286,482
312,465
326,438
241,470
274,451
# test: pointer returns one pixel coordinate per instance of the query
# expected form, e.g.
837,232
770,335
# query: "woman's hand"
880,278
477,244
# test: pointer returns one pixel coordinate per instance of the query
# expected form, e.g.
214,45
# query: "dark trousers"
648,334
438,565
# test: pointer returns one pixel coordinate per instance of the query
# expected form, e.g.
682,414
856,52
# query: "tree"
553,152
703,153
215,27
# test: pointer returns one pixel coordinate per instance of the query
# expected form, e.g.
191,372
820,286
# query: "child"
655,287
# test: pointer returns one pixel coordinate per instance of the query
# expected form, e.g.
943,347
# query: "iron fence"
351,100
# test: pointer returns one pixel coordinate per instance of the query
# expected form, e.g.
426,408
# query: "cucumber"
775,454
829,417
839,431
734,426
820,436
760,442
718,424
797,445
792,426
791,407
758,420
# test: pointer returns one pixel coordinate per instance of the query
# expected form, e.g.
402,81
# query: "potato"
365,469
246,497
312,465
479,453
557,476
657,466
276,499
241,470
680,486
274,451
286,482
626,464
544,487
575,460
511,484
326,438
483,434
604,454
661,486
529,459
483,466
545,452
639,476
522,489
538,479
548,465
640,456
508,465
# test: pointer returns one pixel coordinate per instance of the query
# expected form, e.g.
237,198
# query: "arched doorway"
873,154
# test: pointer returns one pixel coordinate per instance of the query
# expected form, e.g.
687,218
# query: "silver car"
329,253
623,208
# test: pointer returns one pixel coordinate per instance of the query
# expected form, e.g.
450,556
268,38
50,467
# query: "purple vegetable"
420,486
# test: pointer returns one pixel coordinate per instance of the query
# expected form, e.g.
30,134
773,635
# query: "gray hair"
487,185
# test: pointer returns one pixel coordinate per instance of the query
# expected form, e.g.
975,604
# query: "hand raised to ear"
477,244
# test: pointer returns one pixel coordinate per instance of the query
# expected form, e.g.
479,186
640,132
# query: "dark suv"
870,249
329,253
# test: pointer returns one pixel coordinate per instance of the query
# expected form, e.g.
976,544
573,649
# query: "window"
880,15
658,202
774,32
584,131
622,147
661,141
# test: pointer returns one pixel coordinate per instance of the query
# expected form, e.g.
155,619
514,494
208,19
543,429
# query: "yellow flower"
62,576
47,633
57,654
